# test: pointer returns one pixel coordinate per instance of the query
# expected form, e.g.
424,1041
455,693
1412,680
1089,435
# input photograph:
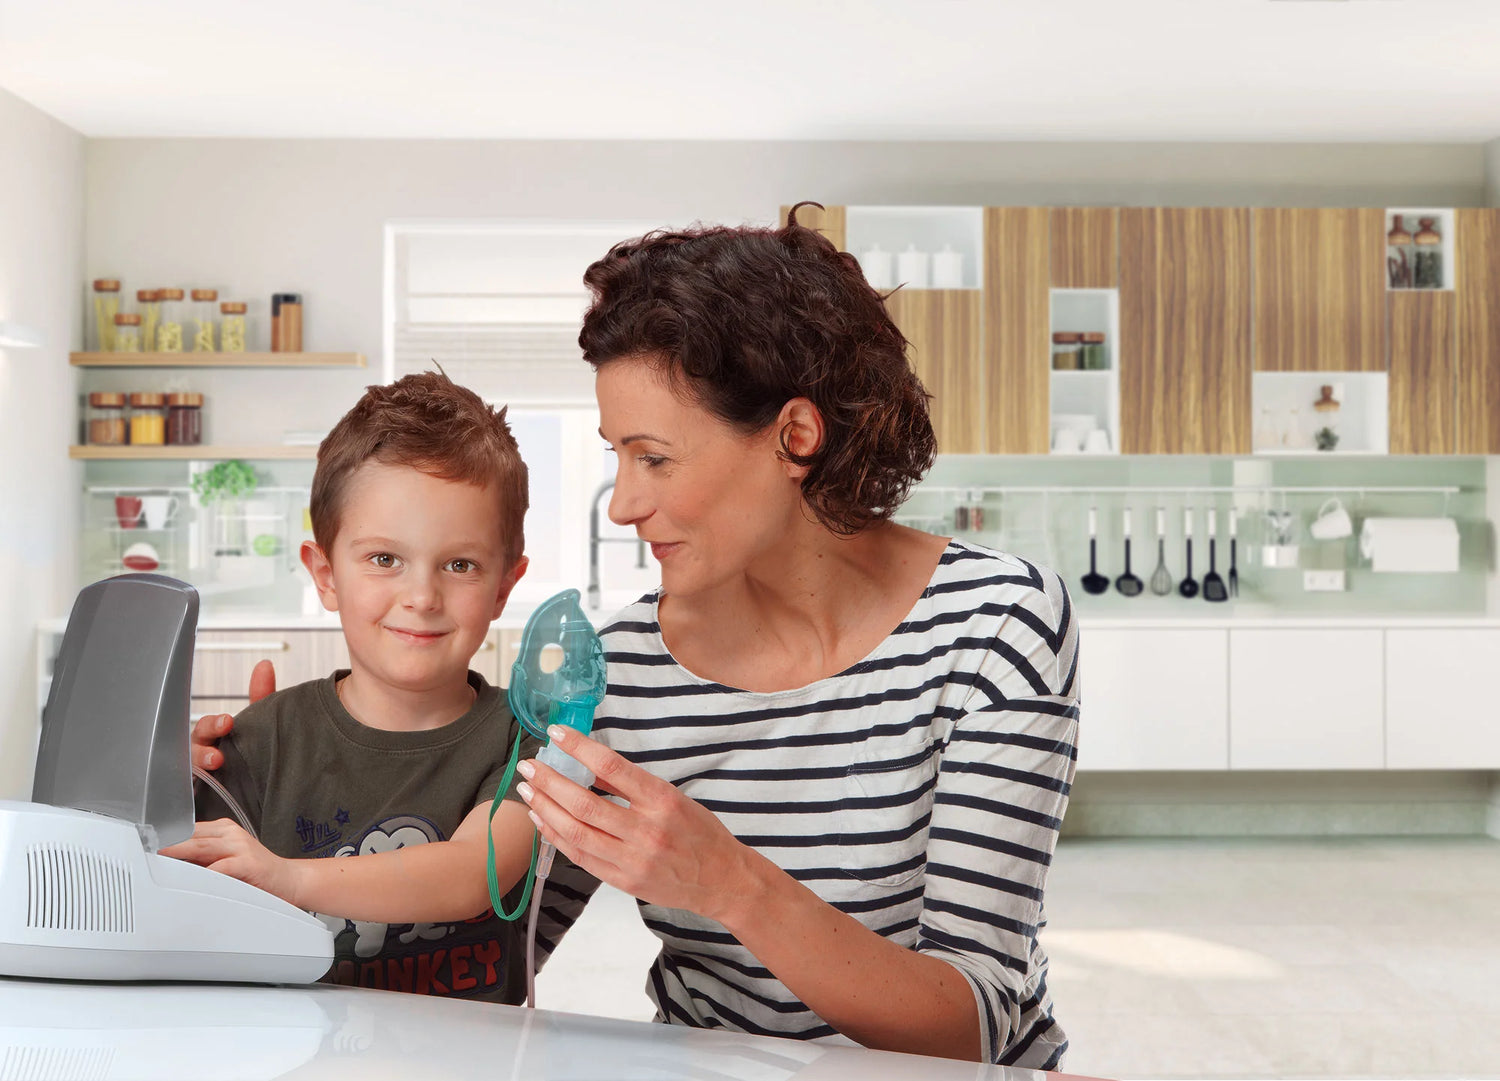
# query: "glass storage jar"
173,316
1065,351
232,326
106,307
184,419
205,317
148,419
148,305
106,417
1091,354
127,333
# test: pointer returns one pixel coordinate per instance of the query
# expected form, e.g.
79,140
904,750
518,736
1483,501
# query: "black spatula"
1093,581
1213,585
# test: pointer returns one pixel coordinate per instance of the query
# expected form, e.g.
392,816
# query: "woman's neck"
376,704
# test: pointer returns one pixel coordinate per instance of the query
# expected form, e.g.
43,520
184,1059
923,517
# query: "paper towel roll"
1410,545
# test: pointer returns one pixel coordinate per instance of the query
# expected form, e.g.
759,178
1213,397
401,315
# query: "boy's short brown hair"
430,423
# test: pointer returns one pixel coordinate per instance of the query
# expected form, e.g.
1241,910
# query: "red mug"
128,510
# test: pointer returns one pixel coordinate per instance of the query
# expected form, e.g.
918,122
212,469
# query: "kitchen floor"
1320,957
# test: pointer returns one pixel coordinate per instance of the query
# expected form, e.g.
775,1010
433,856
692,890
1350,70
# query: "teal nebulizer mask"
559,678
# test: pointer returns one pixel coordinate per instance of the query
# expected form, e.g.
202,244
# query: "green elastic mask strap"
496,899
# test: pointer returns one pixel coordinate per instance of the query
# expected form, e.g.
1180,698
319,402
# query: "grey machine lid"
115,728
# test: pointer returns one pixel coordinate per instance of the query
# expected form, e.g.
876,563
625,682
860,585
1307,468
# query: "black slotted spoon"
1188,587
1093,581
1128,584
1213,585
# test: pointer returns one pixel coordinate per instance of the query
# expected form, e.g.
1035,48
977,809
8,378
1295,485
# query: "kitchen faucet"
595,540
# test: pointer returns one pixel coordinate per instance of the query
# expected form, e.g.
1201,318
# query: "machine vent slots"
73,889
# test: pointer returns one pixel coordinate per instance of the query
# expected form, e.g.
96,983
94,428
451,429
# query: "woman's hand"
664,848
224,846
215,726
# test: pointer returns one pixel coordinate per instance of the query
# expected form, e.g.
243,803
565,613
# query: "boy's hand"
215,726
224,846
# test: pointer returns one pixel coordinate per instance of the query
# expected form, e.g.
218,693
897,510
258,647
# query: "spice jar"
1091,353
286,322
232,327
148,304
106,307
106,417
184,419
148,419
127,333
1065,351
205,316
173,315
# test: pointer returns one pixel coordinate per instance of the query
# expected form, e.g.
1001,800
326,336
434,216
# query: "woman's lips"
661,550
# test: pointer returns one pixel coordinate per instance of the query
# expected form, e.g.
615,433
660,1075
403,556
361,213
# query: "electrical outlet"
1323,581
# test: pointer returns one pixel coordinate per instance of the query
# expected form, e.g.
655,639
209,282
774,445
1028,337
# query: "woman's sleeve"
567,890
1002,787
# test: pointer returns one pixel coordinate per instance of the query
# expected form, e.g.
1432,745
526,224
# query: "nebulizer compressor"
559,678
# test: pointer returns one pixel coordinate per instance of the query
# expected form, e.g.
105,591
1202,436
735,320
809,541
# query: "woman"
842,748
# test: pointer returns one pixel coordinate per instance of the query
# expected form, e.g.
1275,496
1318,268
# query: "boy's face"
416,574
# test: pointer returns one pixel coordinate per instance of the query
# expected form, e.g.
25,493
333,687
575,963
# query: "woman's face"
711,501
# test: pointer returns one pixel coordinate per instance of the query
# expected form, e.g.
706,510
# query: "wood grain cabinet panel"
830,221
942,327
1477,357
1320,290
1085,248
1016,390
1185,330
1421,373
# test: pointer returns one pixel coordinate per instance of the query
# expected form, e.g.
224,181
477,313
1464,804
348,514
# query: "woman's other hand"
213,727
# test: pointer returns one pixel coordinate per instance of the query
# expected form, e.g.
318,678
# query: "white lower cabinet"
1442,687
1154,700
1306,699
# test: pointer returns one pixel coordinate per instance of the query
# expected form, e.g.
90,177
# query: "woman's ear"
800,428
322,574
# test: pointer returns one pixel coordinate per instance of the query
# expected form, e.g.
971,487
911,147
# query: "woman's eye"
384,560
650,461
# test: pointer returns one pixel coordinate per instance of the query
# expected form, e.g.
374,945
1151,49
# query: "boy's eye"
384,560
460,566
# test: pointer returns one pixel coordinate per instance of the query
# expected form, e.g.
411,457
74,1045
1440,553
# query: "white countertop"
245,1033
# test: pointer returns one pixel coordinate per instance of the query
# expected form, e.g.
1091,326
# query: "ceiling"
1259,70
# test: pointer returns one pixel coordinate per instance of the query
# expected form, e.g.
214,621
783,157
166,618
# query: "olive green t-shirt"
316,783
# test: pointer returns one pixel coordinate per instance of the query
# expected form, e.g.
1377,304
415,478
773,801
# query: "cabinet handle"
242,647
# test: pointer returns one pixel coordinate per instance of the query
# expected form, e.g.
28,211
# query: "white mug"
1067,441
1096,442
157,510
1332,523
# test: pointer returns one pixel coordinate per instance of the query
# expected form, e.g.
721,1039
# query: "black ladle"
1213,585
1188,587
1093,581
1128,584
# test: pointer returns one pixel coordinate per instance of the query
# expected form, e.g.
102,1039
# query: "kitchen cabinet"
1421,372
829,221
1477,355
1306,699
1154,699
942,329
1185,302
1084,247
1015,389
1441,685
1320,290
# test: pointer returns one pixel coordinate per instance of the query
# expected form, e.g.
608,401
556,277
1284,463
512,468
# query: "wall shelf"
217,360
199,453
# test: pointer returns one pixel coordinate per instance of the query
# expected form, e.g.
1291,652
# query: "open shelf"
1285,421
1085,399
217,360
933,231
1443,222
201,453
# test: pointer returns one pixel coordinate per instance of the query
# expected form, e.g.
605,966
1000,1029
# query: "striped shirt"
919,791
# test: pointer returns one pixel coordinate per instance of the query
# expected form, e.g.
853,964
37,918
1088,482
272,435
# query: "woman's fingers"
206,734
611,771
572,833
262,680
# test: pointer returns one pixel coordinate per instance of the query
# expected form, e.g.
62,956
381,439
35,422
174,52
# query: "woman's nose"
625,502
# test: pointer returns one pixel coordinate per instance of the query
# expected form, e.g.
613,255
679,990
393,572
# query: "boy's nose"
422,592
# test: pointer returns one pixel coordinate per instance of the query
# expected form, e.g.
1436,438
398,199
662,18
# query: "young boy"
417,508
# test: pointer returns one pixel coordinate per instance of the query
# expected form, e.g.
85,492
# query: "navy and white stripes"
920,791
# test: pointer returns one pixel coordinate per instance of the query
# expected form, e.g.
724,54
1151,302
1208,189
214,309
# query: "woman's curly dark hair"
749,318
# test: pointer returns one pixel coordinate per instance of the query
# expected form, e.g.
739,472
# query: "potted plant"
222,486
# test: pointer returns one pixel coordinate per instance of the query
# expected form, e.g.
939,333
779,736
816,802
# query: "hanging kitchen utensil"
1128,584
1093,581
1188,587
1161,578
1234,554
1213,585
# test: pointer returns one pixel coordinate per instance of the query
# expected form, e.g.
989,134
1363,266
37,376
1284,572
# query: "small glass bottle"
127,333
173,316
148,303
106,417
106,307
184,419
205,316
232,327
1091,354
1065,351
148,419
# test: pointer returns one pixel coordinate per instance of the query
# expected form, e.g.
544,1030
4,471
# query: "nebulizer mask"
559,678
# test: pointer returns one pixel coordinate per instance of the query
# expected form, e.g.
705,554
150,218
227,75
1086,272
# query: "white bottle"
948,269
912,268
877,264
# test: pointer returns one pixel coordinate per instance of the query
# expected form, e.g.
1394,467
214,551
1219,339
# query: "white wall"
41,284
1492,172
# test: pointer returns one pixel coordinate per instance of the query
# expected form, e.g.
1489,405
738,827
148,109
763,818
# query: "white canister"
878,267
912,268
948,269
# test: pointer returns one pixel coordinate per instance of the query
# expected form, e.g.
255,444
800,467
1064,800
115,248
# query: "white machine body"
82,899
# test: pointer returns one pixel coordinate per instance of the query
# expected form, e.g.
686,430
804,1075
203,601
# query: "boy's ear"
322,574
508,583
